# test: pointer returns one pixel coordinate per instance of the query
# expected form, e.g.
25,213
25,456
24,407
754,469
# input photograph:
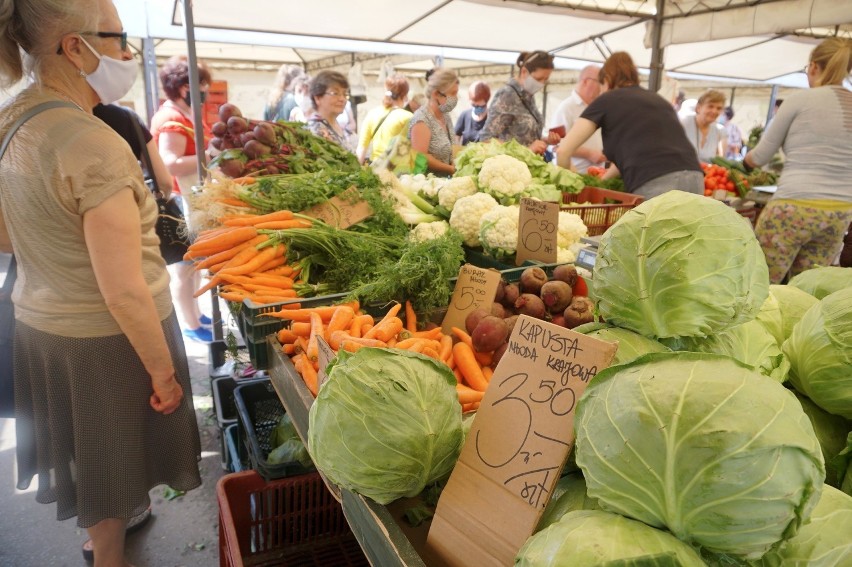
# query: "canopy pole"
657,65
194,89
149,70
773,96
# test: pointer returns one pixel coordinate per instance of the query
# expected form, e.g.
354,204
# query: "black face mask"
203,94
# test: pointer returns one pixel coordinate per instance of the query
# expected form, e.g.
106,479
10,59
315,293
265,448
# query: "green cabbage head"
701,445
630,345
593,538
820,353
568,495
680,265
832,431
386,423
820,282
824,541
783,308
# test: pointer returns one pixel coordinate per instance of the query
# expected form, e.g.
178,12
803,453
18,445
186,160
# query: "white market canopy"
762,40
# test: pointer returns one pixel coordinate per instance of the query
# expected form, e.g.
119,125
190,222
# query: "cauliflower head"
466,215
504,177
428,231
498,230
455,189
571,230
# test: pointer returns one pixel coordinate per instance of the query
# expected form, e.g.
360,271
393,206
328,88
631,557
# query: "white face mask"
531,85
113,77
303,100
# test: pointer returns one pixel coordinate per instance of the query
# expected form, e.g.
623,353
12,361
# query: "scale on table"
588,254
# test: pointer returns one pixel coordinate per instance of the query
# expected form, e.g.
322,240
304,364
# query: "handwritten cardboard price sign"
538,231
517,446
475,288
343,210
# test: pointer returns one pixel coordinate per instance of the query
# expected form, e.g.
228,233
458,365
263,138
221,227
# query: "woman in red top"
174,133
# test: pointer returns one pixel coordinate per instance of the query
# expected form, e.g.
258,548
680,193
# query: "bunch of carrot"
345,327
246,262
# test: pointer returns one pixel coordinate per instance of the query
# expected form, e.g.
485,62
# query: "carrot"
431,353
230,253
256,261
289,349
309,375
451,361
446,348
302,344
216,267
233,202
255,220
410,317
488,372
469,367
430,334
467,408
408,343
459,377
265,299
286,336
274,263
484,358
462,335
283,224
417,347
209,233
316,331
304,315
300,329
214,281
284,270
468,395
392,342
231,296
341,319
357,323
386,324
282,282
337,337
225,240
241,258
247,180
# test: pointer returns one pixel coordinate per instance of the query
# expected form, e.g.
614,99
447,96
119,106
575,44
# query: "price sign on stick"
343,210
517,446
475,288
326,355
538,231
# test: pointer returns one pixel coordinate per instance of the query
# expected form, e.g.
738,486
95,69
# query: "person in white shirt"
569,110
705,134
734,144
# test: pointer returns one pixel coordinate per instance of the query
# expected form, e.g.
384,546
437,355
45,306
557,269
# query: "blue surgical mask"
479,110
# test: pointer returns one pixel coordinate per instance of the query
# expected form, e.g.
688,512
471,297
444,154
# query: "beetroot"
566,273
498,354
498,310
265,134
473,318
227,110
532,279
510,322
231,167
530,304
501,289
580,311
558,319
510,294
219,129
490,333
556,295
237,125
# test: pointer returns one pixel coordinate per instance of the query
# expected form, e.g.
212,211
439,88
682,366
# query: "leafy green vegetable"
832,431
820,353
820,282
700,444
386,424
593,538
287,445
569,495
630,345
783,308
824,541
299,192
680,265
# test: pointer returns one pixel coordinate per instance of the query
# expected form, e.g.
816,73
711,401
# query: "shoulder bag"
7,308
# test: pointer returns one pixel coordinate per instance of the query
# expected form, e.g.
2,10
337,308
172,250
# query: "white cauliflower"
498,230
428,231
467,213
455,189
504,177
571,229
567,255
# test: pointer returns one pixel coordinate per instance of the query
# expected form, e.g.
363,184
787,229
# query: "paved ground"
183,531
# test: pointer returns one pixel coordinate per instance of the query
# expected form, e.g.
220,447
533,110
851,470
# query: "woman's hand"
539,146
167,395
553,138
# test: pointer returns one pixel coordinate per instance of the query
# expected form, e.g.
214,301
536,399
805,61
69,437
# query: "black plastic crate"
223,398
237,455
259,411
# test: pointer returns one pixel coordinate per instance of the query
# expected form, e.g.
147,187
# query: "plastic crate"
259,411
288,522
235,449
607,207
223,398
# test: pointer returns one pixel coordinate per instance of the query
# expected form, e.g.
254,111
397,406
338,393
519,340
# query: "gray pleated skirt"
86,428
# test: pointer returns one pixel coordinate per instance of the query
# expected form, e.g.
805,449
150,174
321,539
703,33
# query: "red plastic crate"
292,521
608,206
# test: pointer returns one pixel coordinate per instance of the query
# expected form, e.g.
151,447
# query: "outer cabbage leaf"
820,353
825,541
750,343
842,463
386,423
832,431
700,444
594,538
820,282
568,495
783,308
630,345
680,265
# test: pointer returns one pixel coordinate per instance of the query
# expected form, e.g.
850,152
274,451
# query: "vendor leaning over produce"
707,136
587,89
641,134
431,128
387,121
329,92
103,403
804,223
513,113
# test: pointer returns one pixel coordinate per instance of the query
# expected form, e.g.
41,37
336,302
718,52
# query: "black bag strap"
382,121
146,158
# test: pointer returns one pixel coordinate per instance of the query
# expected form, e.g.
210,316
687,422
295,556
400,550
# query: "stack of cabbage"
699,454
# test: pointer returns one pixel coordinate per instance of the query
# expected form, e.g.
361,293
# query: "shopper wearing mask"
304,107
472,120
431,129
641,134
103,403
174,133
588,88
513,113
329,92
804,223
385,122
703,131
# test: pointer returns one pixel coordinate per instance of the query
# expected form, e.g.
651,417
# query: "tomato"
580,287
711,183
729,186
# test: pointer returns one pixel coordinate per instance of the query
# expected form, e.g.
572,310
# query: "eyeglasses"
336,94
120,35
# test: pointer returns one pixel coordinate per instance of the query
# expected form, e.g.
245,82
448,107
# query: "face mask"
449,105
479,110
531,85
303,100
113,77
187,99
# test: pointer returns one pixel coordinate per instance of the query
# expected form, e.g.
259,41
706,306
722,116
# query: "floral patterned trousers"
795,237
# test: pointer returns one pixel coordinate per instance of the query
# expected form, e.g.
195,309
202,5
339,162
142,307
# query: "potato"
490,333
